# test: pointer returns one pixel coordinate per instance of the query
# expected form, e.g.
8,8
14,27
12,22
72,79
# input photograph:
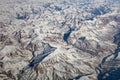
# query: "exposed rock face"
59,40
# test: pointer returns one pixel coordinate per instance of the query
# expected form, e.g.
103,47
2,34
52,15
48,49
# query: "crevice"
37,59
67,34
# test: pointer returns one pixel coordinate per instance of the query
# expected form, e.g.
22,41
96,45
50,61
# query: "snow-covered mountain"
59,40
